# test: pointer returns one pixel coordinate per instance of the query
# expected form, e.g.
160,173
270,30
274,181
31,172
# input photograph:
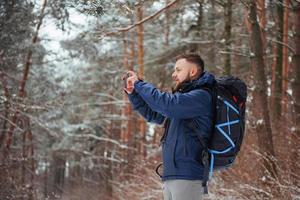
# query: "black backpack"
229,95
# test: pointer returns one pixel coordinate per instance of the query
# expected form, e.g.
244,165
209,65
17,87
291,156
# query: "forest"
68,130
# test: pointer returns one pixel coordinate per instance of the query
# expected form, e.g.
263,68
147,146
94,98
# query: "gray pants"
182,190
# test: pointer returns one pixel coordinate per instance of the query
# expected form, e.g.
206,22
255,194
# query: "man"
190,104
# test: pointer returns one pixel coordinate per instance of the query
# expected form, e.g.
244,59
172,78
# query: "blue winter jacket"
181,146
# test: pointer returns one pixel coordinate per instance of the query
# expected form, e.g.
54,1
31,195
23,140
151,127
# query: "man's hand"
130,81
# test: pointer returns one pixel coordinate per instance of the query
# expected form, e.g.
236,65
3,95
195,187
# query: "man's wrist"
137,81
137,85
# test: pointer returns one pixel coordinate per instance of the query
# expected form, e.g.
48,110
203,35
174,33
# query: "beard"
175,87
178,85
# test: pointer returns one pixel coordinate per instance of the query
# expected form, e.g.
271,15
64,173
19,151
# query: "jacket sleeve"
141,106
179,105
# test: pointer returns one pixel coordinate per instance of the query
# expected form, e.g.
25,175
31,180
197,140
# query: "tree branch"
119,30
283,44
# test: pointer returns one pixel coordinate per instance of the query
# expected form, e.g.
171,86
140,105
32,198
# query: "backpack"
229,95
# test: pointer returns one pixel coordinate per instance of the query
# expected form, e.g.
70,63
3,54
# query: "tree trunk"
108,153
31,159
273,68
261,112
200,18
228,21
6,106
212,26
45,188
196,30
285,62
183,33
167,26
57,172
140,33
276,104
125,98
262,19
24,154
28,158
296,94
130,67
130,138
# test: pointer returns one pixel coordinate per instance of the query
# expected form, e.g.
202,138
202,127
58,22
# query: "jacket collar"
205,79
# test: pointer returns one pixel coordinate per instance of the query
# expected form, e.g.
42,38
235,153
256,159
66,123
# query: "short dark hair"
193,58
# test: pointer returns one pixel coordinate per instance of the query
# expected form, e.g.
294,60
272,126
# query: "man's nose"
173,75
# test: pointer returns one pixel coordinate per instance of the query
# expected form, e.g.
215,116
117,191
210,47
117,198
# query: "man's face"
182,71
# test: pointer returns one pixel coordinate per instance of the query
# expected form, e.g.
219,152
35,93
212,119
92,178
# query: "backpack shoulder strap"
205,154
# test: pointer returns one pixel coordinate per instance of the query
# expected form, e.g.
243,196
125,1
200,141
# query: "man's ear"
193,71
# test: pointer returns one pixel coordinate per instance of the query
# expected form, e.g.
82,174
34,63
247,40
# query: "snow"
52,36
259,121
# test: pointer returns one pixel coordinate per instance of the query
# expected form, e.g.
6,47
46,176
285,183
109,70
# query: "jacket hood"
206,79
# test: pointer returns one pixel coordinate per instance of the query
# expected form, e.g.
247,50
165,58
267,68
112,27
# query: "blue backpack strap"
208,165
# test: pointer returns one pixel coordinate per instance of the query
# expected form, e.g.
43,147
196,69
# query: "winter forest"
67,129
